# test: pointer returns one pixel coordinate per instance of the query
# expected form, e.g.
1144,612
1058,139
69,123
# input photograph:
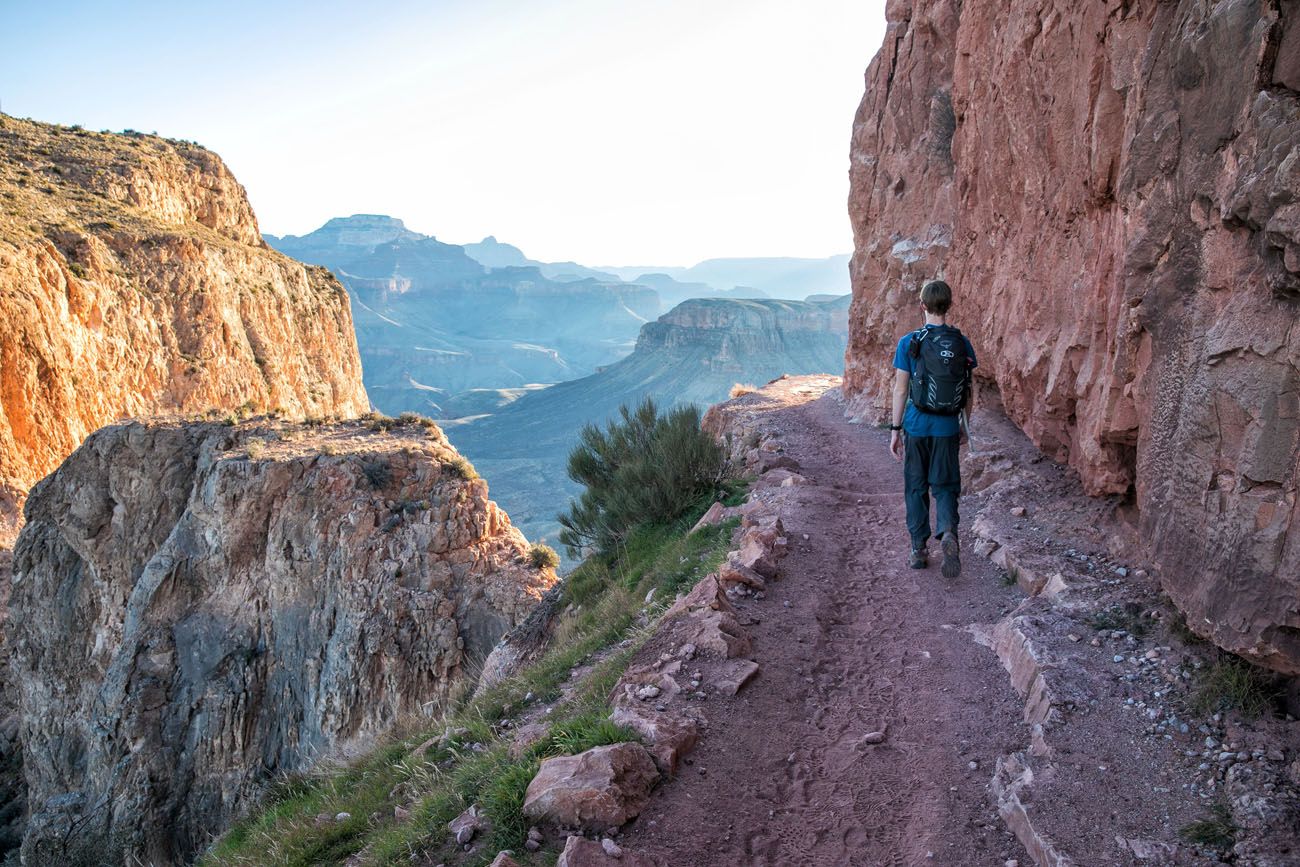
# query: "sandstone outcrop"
1113,190
133,281
598,789
198,607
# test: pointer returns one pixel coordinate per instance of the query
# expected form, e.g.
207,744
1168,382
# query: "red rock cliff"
133,281
1113,189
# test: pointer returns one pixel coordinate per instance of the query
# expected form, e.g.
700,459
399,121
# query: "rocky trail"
852,643
1038,709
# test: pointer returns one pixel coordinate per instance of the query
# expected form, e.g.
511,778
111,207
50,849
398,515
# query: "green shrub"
543,556
643,468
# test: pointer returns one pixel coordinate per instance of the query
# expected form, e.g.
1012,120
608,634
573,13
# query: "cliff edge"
199,608
133,281
1114,191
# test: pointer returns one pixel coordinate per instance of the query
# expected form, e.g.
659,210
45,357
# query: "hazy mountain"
432,321
492,253
778,277
693,354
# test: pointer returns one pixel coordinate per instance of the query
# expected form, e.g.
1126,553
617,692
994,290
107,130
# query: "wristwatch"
895,427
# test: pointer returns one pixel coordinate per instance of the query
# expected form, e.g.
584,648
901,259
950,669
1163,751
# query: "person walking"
929,422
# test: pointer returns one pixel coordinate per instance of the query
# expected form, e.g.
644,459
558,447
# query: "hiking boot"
951,567
919,559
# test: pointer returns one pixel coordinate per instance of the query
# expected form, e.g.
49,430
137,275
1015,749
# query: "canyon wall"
198,608
133,281
1113,190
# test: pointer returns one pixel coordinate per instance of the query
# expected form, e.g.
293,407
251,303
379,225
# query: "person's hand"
896,444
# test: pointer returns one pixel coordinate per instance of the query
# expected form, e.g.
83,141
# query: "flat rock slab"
596,790
729,677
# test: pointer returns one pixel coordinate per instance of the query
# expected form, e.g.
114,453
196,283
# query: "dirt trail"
851,641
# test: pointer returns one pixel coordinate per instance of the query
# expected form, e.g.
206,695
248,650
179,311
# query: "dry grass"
741,389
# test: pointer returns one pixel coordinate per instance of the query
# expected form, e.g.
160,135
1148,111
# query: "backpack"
941,382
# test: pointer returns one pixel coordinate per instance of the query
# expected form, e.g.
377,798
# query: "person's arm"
901,381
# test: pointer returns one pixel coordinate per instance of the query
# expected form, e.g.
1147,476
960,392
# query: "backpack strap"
914,345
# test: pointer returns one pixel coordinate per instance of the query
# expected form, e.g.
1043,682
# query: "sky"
603,132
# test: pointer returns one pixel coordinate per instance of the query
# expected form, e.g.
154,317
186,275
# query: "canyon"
693,354
1112,190
434,324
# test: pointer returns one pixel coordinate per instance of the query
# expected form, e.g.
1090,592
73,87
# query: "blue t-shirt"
925,424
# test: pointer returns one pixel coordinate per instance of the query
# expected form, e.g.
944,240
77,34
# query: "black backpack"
941,382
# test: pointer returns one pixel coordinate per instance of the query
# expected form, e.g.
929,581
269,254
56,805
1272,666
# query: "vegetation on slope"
392,806
642,468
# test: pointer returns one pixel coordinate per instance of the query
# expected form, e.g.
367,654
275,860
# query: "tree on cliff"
643,468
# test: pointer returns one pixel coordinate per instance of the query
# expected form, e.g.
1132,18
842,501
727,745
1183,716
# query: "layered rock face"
1113,189
199,607
133,281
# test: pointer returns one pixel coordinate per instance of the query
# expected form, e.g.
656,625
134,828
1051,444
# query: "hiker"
932,381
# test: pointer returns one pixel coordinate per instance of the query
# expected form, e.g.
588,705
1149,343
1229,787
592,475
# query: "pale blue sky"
599,131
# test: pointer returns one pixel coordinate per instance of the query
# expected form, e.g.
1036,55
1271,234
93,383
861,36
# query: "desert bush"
378,472
461,468
644,467
543,556
256,448
741,389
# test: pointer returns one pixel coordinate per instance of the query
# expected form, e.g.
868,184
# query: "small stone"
1019,511
611,848
532,845
535,833
342,817
1117,658
648,692
464,835
973,765
805,537
400,813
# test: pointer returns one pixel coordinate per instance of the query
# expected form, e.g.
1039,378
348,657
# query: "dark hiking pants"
931,465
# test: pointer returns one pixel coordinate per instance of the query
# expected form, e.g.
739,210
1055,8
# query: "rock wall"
1113,190
133,281
198,608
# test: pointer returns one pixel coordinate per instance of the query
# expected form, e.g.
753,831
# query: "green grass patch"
1230,683
1216,831
604,599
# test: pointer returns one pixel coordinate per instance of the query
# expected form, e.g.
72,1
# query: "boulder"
599,789
707,620
668,734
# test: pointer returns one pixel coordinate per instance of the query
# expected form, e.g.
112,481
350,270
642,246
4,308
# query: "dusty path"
851,641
